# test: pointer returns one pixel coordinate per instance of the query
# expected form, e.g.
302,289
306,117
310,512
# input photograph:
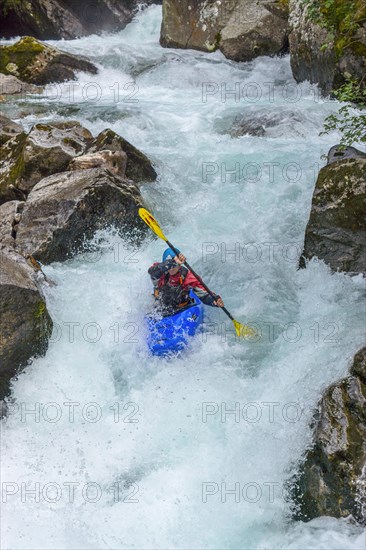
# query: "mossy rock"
25,323
45,150
330,480
36,63
336,231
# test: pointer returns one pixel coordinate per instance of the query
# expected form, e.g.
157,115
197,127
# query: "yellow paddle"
241,330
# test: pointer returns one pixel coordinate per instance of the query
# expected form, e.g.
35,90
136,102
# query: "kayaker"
172,282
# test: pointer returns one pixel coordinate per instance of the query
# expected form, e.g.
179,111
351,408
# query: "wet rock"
8,129
194,25
10,213
11,85
336,231
114,161
313,54
45,150
64,210
138,168
253,29
55,19
332,479
36,63
242,29
266,123
336,153
25,324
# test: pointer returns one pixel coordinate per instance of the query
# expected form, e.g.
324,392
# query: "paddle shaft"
200,280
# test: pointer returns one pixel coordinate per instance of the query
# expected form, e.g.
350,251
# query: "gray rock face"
10,214
267,123
45,150
25,324
311,60
11,85
114,161
335,154
308,60
241,29
55,19
65,209
36,63
332,479
254,28
336,231
138,168
195,24
8,129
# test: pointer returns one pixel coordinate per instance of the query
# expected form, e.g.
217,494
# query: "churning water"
128,451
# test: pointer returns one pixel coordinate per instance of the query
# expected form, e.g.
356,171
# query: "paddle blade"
152,223
244,331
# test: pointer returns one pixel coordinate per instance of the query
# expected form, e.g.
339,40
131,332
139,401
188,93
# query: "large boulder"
65,209
138,167
37,63
45,150
54,19
336,231
331,481
255,28
25,324
314,54
241,29
8,129
51,148
196,25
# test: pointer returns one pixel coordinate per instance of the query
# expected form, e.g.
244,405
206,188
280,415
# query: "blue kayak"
169,335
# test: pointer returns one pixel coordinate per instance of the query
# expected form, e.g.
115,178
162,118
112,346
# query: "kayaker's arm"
205,296
192,282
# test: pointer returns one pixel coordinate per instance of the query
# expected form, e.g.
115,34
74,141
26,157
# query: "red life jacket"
175,281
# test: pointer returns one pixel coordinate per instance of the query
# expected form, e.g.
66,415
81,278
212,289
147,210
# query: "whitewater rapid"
123,450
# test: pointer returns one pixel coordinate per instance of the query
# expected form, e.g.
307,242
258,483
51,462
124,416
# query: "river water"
127,451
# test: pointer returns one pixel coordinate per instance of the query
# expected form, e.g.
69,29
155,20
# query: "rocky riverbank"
336,231
58,185
332,479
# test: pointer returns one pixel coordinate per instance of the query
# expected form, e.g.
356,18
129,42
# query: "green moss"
342,19
73,143
22,54
217,40
11,155
8,5
358,49
42,127
41,310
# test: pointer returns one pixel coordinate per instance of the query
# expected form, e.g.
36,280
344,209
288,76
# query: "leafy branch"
351,125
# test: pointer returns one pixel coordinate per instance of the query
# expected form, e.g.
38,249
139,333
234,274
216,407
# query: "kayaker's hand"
180,259
219,303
